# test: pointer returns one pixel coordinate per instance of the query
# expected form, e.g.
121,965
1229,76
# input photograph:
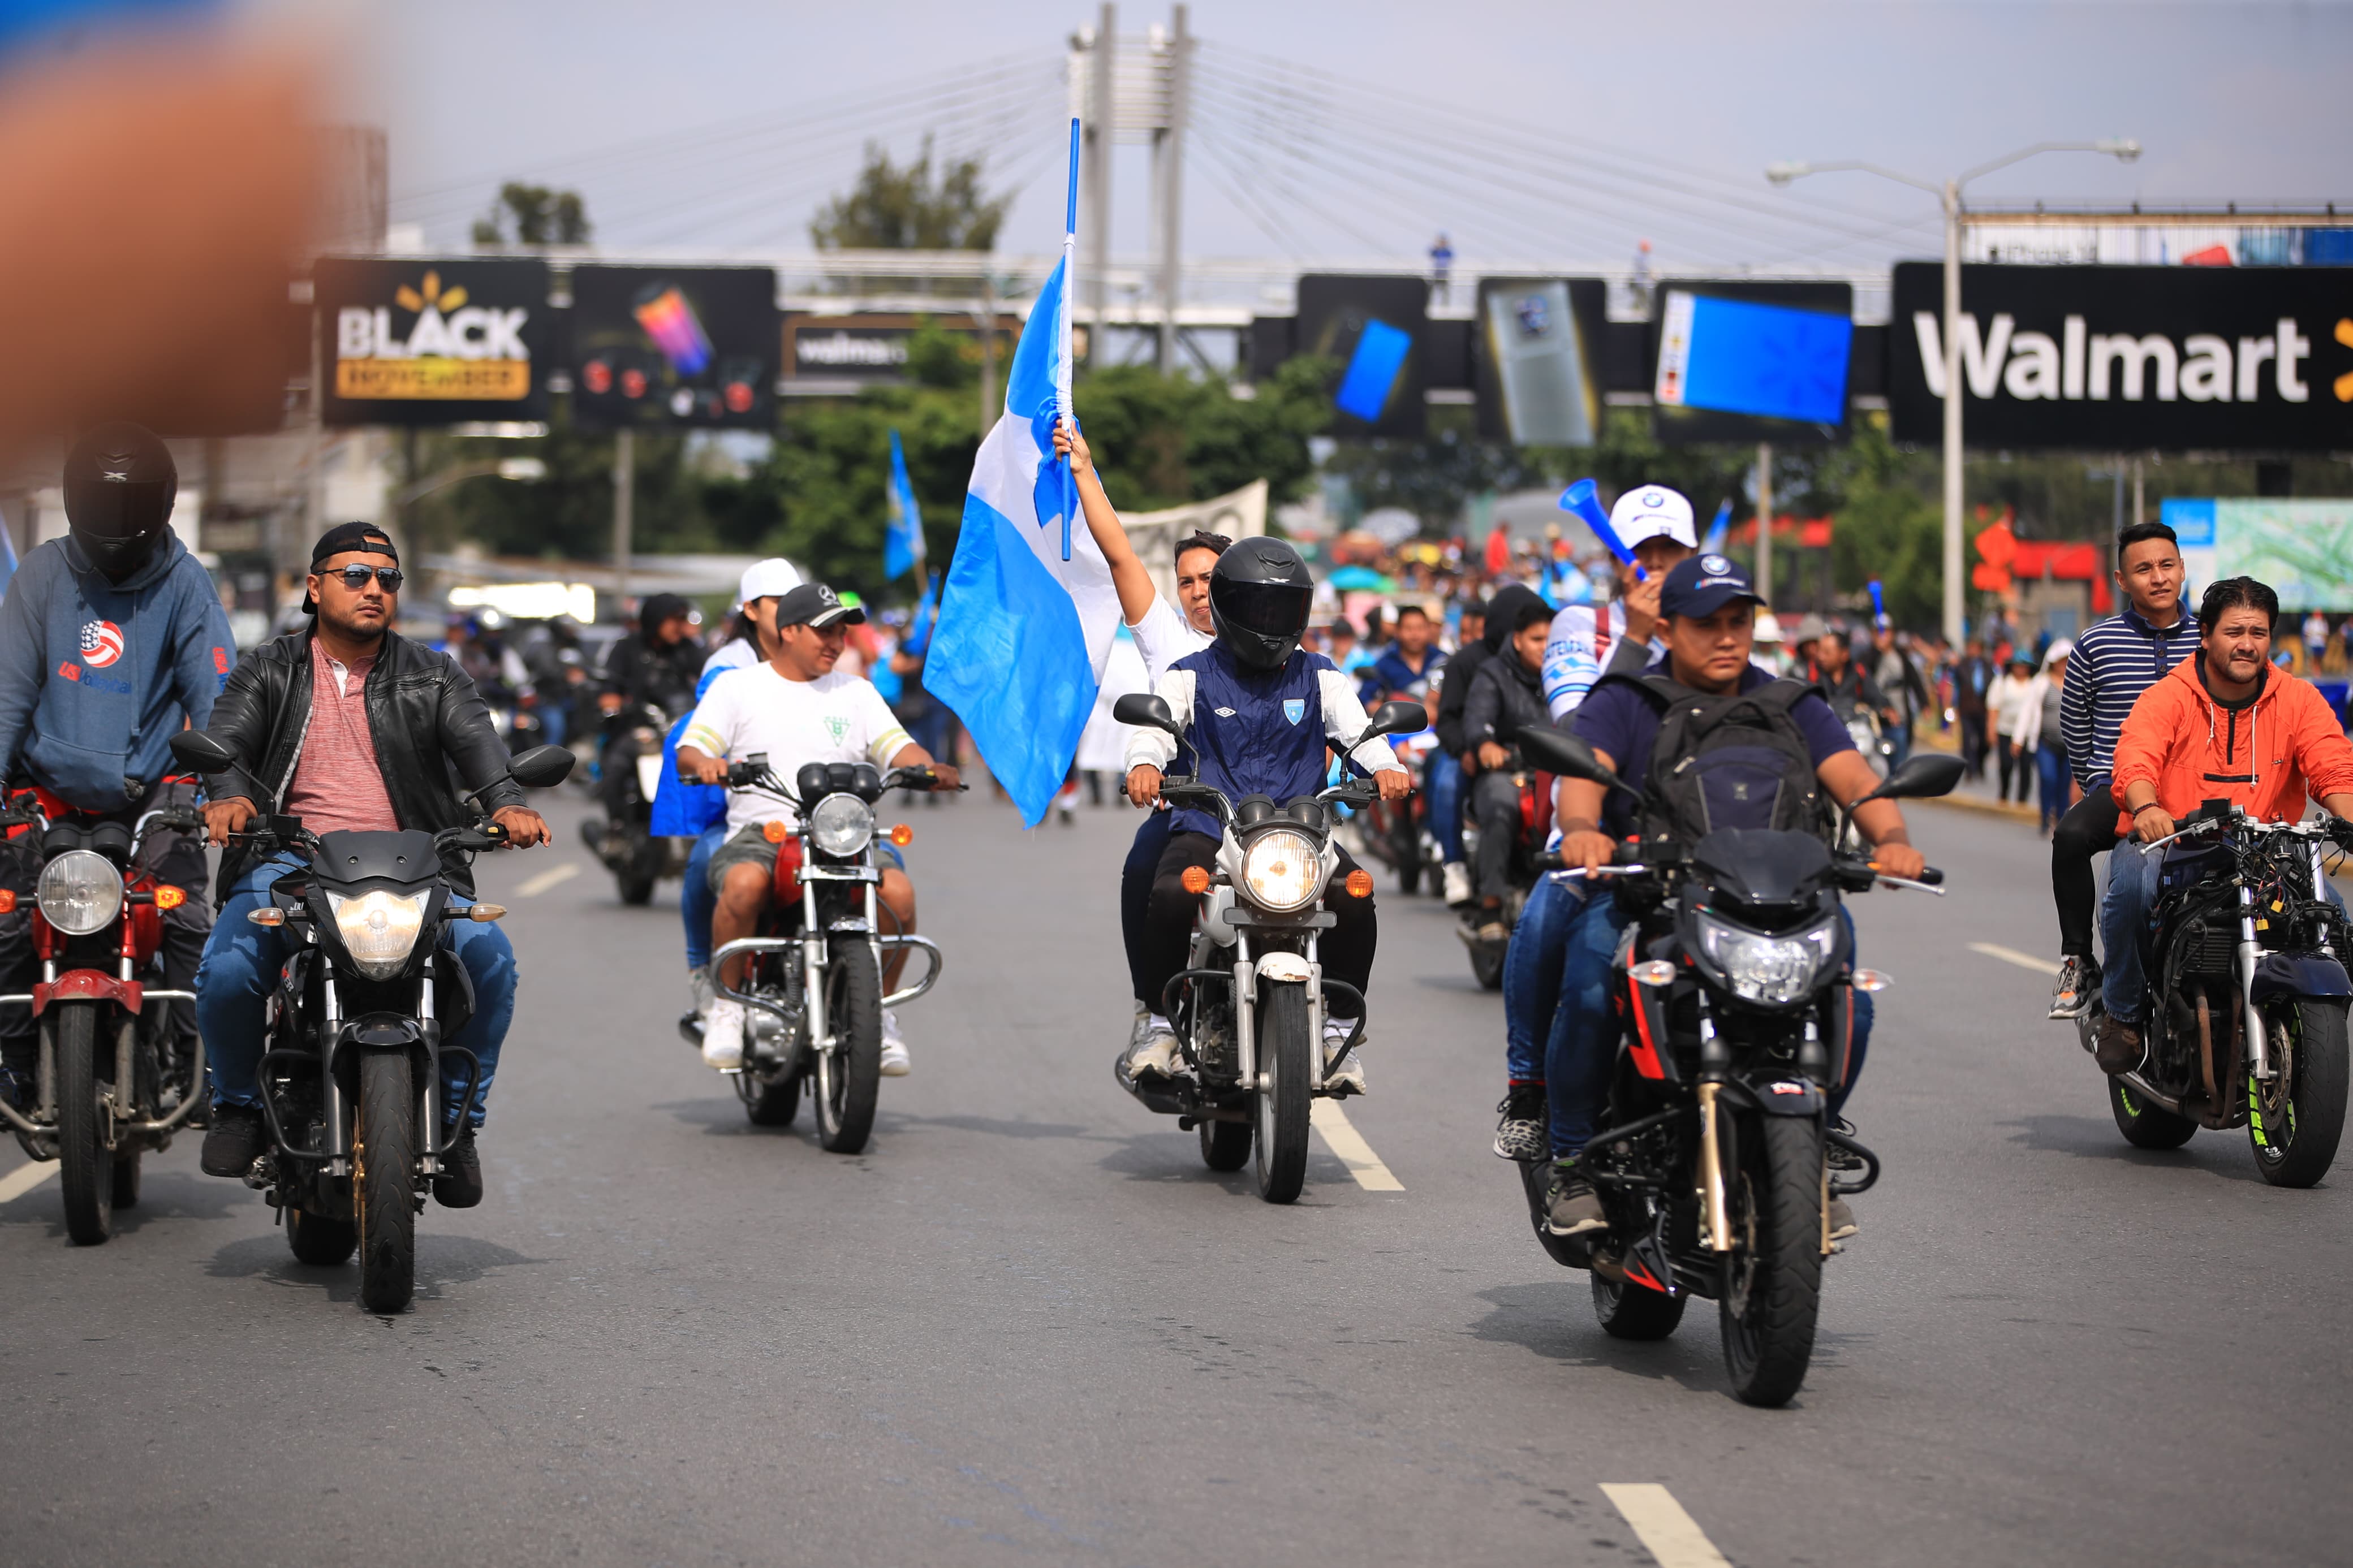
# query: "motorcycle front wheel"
85,1164
1773,1275
1286,1058
2294,1120
383,1156
850,1077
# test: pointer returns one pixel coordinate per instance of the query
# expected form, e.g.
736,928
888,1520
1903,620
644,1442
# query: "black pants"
1345,950
1135,896
1495,807
1973,743
2089,828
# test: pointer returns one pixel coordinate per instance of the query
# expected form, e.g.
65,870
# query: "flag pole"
1063,408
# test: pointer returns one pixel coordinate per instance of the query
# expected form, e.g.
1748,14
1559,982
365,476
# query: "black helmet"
120,484
1259,596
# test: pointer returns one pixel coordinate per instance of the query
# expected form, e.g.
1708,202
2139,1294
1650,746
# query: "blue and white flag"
927,614
7,558
903,542
1028,614
1714,543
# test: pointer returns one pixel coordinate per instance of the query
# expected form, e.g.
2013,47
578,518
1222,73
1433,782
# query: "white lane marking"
2011,955
25,1178
1342,1138
1669,1534
552,876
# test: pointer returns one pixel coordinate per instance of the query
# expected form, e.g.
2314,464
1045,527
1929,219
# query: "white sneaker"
1349,1075
701,992
1457,878
722,1037
894,1048
1156,1053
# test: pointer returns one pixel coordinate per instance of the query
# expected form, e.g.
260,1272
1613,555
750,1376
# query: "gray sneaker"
1841,1219
2071,994
1571,1205
1154,1055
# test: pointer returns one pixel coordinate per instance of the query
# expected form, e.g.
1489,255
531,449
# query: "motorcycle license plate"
649,770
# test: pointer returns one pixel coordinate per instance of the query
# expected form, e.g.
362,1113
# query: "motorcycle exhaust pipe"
1714,1215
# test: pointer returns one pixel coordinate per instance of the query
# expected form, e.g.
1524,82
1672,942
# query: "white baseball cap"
1647,512
776,577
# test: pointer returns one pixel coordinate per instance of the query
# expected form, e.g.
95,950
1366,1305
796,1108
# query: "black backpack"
1737,760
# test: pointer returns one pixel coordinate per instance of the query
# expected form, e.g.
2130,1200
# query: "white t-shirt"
1163,635
738,654
836,717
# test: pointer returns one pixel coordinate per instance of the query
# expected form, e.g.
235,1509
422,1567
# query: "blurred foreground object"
161,205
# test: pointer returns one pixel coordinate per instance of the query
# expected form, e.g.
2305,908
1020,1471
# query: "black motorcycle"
622,837
812,982
1487,954
1717,1160
359,1024
2248,994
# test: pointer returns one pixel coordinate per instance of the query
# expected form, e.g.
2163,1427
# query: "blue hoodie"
96,677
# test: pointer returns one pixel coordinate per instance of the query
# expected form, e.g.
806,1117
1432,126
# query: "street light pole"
1949,195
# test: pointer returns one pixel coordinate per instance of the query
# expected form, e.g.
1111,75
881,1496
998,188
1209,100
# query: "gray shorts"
750,847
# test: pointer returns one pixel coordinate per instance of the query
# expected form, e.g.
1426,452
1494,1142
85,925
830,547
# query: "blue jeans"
242,962
1532,975
696,902
2051,766
1445,788
1582,1049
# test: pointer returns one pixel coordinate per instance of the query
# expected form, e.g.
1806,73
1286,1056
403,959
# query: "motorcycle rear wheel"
850,1078
126,1180
1773,1276
384,1158
85,1164
1487,965
321,1242
775,1103
1226,1145
2294,1127
1635,1311
2146,1125
1286,1057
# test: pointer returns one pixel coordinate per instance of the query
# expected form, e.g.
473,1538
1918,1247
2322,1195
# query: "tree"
533,216
896,207
1162,440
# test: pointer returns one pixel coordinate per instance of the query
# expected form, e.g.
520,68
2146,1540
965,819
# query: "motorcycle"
2248,994
359,1024
1718,1158
112,1081
633,761
812,983
1248,1008
1396,833
1535,826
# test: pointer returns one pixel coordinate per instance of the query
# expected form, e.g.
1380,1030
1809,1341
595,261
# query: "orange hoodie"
2265,757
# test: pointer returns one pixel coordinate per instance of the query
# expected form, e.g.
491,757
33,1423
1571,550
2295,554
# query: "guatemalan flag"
1023,632
903,541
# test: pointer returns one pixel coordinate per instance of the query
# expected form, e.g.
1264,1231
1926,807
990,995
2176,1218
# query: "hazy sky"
1574,131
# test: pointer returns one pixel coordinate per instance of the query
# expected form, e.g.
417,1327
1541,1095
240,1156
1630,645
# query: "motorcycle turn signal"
1360,883
1195,879
1872,980
7,900
901,836
270,916
485,912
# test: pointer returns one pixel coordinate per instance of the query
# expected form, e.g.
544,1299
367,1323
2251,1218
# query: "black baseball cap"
814,605
342,539
1703,585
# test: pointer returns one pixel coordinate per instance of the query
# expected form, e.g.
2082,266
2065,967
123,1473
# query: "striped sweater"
2113,663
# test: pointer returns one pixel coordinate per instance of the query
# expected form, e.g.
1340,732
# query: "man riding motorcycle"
2112,664
2223,725
1710,608
1506,697
109,638
796,709
1407,665
1257,713
349,726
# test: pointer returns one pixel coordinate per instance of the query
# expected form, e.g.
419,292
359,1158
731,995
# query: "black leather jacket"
424,715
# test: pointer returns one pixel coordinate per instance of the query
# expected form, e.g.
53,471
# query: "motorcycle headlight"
1772,969
1282,870
79,892
379,929
842,825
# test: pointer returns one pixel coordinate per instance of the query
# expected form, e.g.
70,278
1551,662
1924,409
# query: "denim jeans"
1446,806
1583,1046
2050,765
696,902
242,962
1532,974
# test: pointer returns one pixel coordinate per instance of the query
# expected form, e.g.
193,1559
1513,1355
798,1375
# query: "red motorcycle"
111,1084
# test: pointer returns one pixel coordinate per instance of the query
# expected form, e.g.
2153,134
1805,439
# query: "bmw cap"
1704,584
1647,512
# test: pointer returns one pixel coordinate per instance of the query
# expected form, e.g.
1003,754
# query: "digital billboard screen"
674,346
1373,326
428,341
1752,361
1538,375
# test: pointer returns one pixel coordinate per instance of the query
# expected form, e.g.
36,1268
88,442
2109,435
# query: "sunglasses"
356,577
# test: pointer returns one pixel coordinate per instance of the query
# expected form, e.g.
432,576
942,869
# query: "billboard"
674,346
1537,347
2304,548
2129,358
1735,360
872,347
1372,327
415,342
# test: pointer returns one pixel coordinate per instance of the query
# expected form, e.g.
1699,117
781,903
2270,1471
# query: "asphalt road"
1027,1325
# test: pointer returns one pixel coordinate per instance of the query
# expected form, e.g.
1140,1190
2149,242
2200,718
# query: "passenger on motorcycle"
796,709
351,727
2223,725
1586,642
1257,712
1405,668
1506,697
1163,634
109,638
752,637
1710,610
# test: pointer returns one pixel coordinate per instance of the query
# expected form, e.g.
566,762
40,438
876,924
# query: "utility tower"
1133,90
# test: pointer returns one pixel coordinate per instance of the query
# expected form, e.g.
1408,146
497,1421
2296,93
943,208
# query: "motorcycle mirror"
1397,719
541,767
1146,711
1924,776
1557,752
200,752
